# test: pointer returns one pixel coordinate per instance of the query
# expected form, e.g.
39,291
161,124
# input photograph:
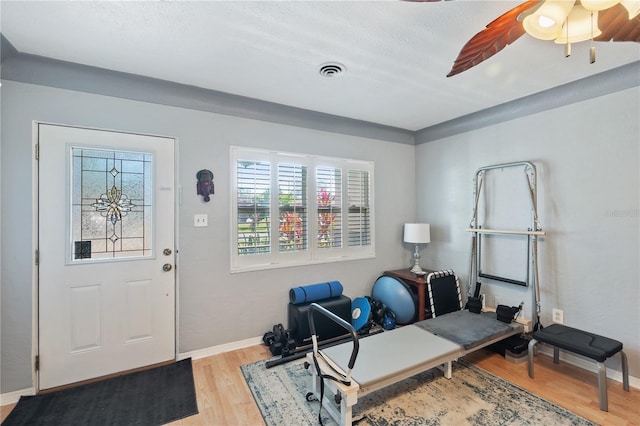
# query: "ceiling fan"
564,21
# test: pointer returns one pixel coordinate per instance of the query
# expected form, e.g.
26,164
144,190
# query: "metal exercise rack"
532,234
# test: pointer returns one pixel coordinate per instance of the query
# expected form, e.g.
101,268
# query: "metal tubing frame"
314,307
602,372
532,234
347,400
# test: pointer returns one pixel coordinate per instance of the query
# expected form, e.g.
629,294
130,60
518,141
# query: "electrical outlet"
557,316
201,220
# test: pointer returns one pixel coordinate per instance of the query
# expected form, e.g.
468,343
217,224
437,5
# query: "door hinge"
37,257
37,151
37,362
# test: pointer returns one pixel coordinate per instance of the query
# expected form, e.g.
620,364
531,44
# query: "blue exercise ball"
397,297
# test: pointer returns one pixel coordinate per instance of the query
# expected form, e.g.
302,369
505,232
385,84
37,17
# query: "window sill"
267,266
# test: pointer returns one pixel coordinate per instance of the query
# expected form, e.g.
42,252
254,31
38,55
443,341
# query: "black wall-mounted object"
205,184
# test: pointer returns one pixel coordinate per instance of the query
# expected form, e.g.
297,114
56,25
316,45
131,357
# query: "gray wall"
586,152
588,160
215,307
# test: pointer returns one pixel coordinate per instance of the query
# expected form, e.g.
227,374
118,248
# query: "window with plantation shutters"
294,209
253,207
292,205
329,207
359,216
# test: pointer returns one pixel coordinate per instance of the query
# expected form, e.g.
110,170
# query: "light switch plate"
201,220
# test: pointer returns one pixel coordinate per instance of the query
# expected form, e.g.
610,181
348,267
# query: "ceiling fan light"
632,6
598,4
581,25
546,22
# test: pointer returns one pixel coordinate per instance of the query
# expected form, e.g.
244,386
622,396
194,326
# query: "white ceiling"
397,54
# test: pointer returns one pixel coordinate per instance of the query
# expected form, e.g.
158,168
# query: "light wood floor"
225,399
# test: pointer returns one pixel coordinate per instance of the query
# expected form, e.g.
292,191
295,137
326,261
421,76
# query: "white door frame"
35,241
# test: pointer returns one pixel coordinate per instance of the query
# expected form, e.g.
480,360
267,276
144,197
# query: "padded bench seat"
582,343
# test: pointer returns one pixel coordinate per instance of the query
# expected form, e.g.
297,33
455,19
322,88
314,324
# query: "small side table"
417,281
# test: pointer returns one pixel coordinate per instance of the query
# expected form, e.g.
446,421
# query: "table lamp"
417,233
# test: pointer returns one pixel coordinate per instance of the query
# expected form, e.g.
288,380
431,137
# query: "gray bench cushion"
580,342
469,330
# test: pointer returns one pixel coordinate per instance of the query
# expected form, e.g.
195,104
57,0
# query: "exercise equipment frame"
532,234
389,357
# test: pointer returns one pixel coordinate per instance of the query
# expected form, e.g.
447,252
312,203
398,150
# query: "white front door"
106,296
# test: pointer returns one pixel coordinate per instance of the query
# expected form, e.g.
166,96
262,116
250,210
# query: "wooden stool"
583,343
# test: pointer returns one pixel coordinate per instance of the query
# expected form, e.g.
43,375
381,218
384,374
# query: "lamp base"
418,270
416,262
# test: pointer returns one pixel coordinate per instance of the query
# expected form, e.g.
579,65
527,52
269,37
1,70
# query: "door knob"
166,252
166,267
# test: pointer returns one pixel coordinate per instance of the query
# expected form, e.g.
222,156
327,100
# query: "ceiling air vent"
331,69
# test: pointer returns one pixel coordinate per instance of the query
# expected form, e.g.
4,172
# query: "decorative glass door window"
111,204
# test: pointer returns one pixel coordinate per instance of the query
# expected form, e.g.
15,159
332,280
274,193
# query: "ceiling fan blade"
616,25
496,36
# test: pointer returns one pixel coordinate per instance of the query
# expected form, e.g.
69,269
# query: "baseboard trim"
215,350
13,397
569,358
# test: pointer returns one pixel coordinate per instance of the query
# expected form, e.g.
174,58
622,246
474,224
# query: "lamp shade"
546,22
598,4
417,233
581,25
632,6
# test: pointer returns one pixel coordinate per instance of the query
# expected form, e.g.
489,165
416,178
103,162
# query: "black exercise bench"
583,343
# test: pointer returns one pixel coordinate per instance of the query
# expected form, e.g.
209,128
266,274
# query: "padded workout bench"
583,343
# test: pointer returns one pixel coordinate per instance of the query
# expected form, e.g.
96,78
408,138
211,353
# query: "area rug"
151,397
472,397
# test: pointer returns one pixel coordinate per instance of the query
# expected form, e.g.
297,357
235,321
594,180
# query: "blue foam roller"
396,296
315,292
